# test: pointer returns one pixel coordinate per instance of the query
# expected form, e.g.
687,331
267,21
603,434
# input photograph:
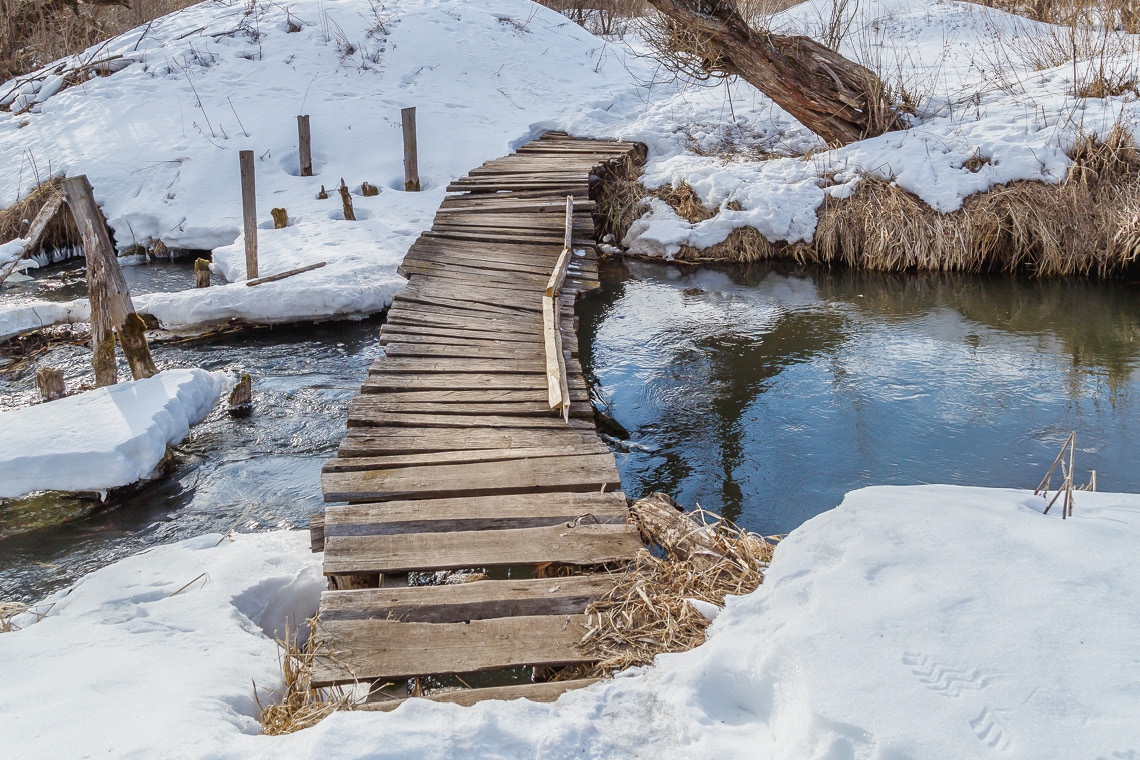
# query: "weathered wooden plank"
472,456
398,331
390,440
384,650
535,692
480,600
458,382
569,543
459,301
481,396
425,365
453,420
471,513
515,351
371,405
427,339
517,320
588,472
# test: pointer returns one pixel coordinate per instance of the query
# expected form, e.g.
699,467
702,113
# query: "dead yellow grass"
648,612
1088,225
9,610
15,220
300,705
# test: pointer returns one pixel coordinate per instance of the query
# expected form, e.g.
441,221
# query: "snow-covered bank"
916,622
103,438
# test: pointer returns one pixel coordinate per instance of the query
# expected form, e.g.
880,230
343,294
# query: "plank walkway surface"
471,445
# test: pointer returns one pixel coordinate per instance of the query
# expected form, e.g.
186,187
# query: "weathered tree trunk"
111,306
662,523
50,383
834,97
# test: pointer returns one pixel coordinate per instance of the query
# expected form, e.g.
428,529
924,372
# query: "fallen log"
662,523
283,275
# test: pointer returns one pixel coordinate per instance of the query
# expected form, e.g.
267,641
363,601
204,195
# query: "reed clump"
9,610
650,612
15,220
301,704
1087,225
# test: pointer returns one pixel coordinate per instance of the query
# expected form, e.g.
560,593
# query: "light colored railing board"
585,545
573,473
535,692
479,600
553,350
367,406
471,456
381,440
386,650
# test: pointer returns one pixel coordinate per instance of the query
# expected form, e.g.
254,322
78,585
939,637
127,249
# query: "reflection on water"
766,393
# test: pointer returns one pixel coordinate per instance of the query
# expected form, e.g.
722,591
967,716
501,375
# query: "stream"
763,393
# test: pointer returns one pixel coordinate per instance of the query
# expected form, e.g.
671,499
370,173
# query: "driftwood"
111,306
49,381
834,97
663,524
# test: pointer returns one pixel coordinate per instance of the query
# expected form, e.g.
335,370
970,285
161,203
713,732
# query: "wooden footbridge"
471,447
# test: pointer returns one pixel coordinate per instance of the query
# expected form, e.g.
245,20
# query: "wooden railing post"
249,211
411,159
305,146
111,307
557,384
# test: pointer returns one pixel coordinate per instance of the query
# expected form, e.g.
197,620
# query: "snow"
909,622
103,438
159,137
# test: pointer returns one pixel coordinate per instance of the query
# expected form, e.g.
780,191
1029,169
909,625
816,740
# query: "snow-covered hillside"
159,139
919,622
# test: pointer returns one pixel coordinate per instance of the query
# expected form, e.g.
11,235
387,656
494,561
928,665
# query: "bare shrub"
33,33
601,17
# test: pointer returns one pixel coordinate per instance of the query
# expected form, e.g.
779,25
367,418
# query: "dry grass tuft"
9,610
1088,225
648,612
301,705
15,220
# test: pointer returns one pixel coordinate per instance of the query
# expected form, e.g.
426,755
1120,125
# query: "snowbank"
916,622
103,438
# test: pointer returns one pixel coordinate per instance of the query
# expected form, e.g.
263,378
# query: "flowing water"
257,473
763,393
766,393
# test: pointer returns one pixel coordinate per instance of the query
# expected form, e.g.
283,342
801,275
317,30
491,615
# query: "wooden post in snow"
346,201
111,307
305,146
49,381
249,212
201,273
411,159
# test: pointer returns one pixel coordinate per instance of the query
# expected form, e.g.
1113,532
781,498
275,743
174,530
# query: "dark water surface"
766,393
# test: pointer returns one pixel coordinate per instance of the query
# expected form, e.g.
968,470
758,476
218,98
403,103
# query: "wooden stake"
50,383
304,146
249,211
283,275
369,190
411,160
280,218
346,200
241,397
111,306
323,194
201,273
